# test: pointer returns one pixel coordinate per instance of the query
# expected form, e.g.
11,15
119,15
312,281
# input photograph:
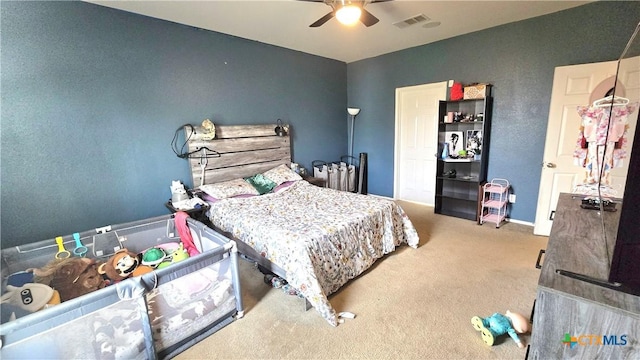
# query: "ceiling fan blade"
368,19
323,19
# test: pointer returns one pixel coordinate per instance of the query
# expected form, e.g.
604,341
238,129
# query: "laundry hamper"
337,175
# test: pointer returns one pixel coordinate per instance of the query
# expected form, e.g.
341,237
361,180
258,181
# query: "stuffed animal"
26,299
498,324
71,277
174,255
153,257
123,264
179,254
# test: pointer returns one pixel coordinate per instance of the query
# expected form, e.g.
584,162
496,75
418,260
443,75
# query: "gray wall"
91,98
518,59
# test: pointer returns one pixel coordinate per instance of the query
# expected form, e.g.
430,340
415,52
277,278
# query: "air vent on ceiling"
411,21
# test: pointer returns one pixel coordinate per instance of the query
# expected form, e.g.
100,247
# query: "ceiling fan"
347,12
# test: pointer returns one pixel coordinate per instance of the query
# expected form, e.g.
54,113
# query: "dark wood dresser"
575,316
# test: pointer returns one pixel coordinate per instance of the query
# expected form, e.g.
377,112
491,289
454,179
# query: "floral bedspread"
321,237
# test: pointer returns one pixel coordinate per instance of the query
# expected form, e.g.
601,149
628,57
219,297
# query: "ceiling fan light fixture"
349,14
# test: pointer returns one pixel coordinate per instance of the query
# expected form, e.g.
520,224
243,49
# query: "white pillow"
281,173
229,188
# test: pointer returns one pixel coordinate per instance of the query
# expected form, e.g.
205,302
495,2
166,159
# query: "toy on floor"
71,277
123,264
280,283
498,324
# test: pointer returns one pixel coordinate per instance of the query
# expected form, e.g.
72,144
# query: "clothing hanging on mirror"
601,144
611,100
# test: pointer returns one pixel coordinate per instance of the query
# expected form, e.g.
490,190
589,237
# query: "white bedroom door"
573,86
416,142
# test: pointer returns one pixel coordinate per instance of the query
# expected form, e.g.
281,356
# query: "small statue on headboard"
209,130
281,129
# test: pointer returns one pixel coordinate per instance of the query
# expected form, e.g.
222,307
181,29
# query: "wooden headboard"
244,150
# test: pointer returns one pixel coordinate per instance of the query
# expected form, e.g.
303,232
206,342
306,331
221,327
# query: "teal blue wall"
518,59
91,98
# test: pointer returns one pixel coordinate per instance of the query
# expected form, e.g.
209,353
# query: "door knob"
550,165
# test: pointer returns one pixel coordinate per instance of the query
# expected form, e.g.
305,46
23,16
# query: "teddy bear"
498,324
71,277
123,264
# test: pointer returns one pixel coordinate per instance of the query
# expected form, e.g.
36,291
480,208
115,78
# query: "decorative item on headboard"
281,130
209,130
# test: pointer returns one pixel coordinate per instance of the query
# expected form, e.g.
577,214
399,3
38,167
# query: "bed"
316,238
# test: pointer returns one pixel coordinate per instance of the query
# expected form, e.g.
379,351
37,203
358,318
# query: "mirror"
625,267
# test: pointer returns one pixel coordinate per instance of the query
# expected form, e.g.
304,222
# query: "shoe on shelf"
450,174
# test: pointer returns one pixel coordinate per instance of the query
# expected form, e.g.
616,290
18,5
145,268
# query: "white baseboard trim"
394,199
380,196
515,221
527,223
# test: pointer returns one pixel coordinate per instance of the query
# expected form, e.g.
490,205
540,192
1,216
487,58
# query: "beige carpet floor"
412,304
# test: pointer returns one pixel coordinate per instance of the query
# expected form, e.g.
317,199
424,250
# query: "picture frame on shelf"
474,142
455,139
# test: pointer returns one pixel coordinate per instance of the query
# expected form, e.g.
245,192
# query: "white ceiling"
286,23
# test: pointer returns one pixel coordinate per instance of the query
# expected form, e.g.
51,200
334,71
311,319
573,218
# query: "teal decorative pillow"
261,183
